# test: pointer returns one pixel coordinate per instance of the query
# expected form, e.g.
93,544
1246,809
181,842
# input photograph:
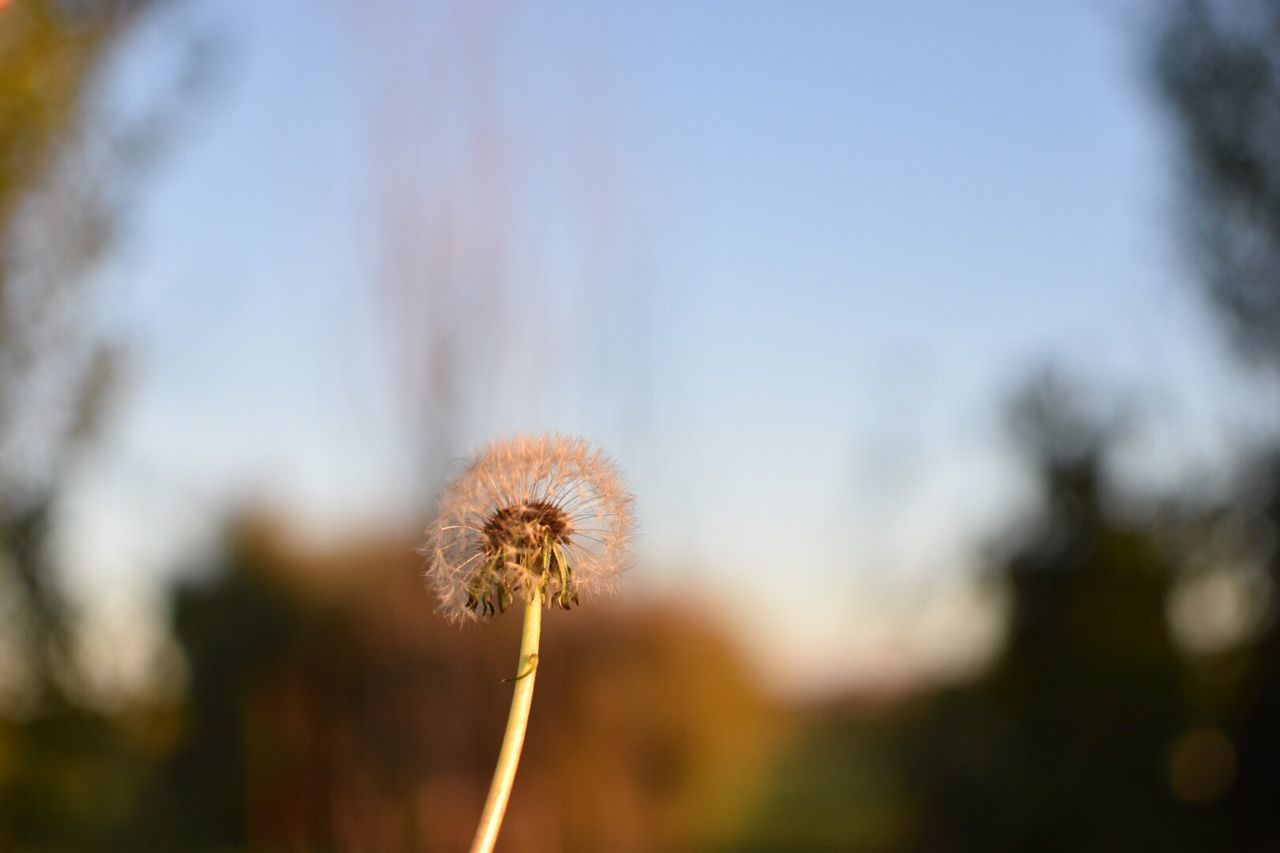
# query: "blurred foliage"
1218,63
64,174
50,53
50,56
837,786
1095,728
328,709
1062,743
1219,66
68,774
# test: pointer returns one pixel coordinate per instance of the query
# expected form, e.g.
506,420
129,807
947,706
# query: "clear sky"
785,260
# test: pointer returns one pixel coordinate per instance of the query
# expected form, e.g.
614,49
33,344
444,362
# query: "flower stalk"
546,521
504,774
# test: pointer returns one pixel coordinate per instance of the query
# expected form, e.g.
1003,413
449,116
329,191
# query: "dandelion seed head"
546,516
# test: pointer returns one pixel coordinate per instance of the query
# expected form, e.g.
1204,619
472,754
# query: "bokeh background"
940,344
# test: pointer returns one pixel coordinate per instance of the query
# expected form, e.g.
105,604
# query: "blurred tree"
329,710
1094,729
50,54
1218,66
1060,745
65,775
1099,727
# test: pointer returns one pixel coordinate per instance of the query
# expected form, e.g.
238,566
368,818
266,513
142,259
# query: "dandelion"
542,520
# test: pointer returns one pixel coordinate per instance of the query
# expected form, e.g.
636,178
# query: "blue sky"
785,260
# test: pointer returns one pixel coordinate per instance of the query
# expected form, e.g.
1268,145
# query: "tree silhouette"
63,176
1218,66
1060,745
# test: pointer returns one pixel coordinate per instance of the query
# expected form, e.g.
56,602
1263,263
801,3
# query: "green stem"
517,721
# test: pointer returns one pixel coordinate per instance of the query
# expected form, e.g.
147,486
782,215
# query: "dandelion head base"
524,553
545,517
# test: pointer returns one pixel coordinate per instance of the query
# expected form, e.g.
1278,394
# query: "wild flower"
540,519
530,516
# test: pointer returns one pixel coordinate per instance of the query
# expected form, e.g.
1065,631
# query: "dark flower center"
525,528
526,537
